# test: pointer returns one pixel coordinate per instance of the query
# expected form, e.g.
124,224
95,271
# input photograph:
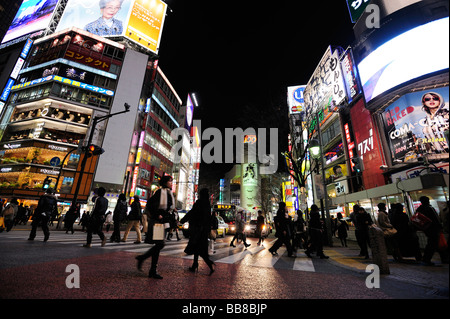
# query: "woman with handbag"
157,210
199,218
389,232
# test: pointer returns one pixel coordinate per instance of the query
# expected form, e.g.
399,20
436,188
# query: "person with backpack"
134,220
46,208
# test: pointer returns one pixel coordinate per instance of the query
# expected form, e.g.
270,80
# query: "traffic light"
95,149
359,165
46,183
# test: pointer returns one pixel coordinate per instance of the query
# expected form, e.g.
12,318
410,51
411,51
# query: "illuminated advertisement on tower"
33,15
416,124
141,21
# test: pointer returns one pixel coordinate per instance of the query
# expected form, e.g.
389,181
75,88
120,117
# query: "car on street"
250,229
223,227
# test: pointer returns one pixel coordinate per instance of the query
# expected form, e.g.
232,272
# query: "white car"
250,229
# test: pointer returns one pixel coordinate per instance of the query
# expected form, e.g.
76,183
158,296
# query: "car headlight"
186,226
247,228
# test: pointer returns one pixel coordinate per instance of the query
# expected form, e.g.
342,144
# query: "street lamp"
314,149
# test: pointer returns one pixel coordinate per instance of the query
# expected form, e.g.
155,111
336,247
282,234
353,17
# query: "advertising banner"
296,102
326,84
416,124
33,15
140,21
405,58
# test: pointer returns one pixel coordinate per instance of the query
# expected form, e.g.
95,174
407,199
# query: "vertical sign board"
356,8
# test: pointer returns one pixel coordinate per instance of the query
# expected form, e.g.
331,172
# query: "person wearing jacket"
240,227
119,215
384,223
47,206
134,220
315,227
282,226
10,213
199,218
97,218
157,210
432,232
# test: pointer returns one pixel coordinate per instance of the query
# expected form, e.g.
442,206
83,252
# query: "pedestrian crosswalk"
255,255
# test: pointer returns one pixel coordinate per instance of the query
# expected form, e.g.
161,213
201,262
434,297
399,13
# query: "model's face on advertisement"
111,9
431,101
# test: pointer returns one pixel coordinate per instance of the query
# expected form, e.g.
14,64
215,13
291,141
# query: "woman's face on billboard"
431,101
111,9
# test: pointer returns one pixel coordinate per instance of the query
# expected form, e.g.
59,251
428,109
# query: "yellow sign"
146,23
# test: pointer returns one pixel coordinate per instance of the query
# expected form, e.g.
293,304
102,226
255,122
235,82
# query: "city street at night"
35,270
224,159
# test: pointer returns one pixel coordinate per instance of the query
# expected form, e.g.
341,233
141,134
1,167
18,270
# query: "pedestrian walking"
260,224
97,218
173,225
157,208
363,221
47,207
406,235
213,233
119,215
71,216
432,231
282,230
315,228
108,221
300,235
134,220
199,218
84,221
10,213
389,231
342,229
21,211
240,227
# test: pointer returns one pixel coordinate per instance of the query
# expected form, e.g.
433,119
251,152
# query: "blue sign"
298,95
7,90
55,161
26,49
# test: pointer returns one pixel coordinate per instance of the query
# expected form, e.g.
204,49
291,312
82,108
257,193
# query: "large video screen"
140,21
33,15
416,124
415,53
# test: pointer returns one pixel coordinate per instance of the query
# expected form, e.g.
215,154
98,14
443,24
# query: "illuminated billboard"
326,86
406,57
416,124
33,15
296,102
140,21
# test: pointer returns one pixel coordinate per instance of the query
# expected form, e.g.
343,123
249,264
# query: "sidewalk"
434,277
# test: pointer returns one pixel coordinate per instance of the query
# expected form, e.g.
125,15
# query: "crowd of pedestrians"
159,222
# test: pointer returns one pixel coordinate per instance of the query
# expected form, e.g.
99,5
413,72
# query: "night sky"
240,56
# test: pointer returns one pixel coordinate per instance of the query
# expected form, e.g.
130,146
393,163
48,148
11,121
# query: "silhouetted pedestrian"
119,215
71,216
240,228
134,220
10,213
199,218
47,207
363,221
97,218
260,224
315,228
342,229
432,231
282,230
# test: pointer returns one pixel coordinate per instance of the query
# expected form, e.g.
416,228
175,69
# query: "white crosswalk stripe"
254,256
